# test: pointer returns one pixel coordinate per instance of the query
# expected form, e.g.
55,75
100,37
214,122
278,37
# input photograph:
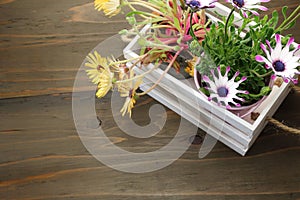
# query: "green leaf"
290,25
274,20
204,91
269,32
231,19
177,24
256,19
265,90
265,19
283,10
132,13
142,42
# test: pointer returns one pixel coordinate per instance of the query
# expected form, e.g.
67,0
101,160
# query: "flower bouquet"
239,63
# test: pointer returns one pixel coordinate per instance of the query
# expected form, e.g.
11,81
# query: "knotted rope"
283,126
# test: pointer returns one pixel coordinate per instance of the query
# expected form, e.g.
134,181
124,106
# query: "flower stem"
288,20
261,75
192,33
145,5
287,25
124,61
136,77
227,22
162,75
133,9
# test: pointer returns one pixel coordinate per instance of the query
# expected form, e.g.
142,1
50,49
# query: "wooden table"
42,46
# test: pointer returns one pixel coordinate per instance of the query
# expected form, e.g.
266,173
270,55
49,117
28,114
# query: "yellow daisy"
112,7
191,66
99,4
128,105
95,62
99,73
128,90
105,83
109,7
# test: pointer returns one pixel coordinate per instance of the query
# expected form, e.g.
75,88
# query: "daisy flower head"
282,61
200,4
95,62
222,90
109,7
99,73
106,82
128,90
248,5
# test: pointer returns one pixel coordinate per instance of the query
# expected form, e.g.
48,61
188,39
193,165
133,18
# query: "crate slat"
183,97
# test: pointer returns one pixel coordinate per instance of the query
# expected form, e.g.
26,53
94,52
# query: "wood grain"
42,46
42,158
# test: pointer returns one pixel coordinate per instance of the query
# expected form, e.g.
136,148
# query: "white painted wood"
190,102
183,98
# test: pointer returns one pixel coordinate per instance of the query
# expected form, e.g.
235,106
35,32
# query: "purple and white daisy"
200,4
282,61
222,90
248,5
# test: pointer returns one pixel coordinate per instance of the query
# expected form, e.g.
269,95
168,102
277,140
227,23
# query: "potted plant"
235,59
239,74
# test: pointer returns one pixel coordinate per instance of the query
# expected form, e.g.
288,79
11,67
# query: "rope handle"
283,126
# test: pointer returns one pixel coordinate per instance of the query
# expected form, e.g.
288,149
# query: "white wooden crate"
183,98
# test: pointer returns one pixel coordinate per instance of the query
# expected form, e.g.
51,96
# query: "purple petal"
244,14
227,68
269,45
267,66
244,78
295,81
254,12
285,80
205,78
236,74
291,40
263,8
273,77
259,58
263,47
278,39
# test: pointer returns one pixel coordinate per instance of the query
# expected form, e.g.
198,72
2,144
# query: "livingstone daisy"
222,90
200,4
99,73
109,7
106,83
248,5
128,90
282,61
190,68
95,62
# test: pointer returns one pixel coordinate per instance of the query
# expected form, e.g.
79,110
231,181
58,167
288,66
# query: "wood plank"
42,157
36,39
42,45
47,36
